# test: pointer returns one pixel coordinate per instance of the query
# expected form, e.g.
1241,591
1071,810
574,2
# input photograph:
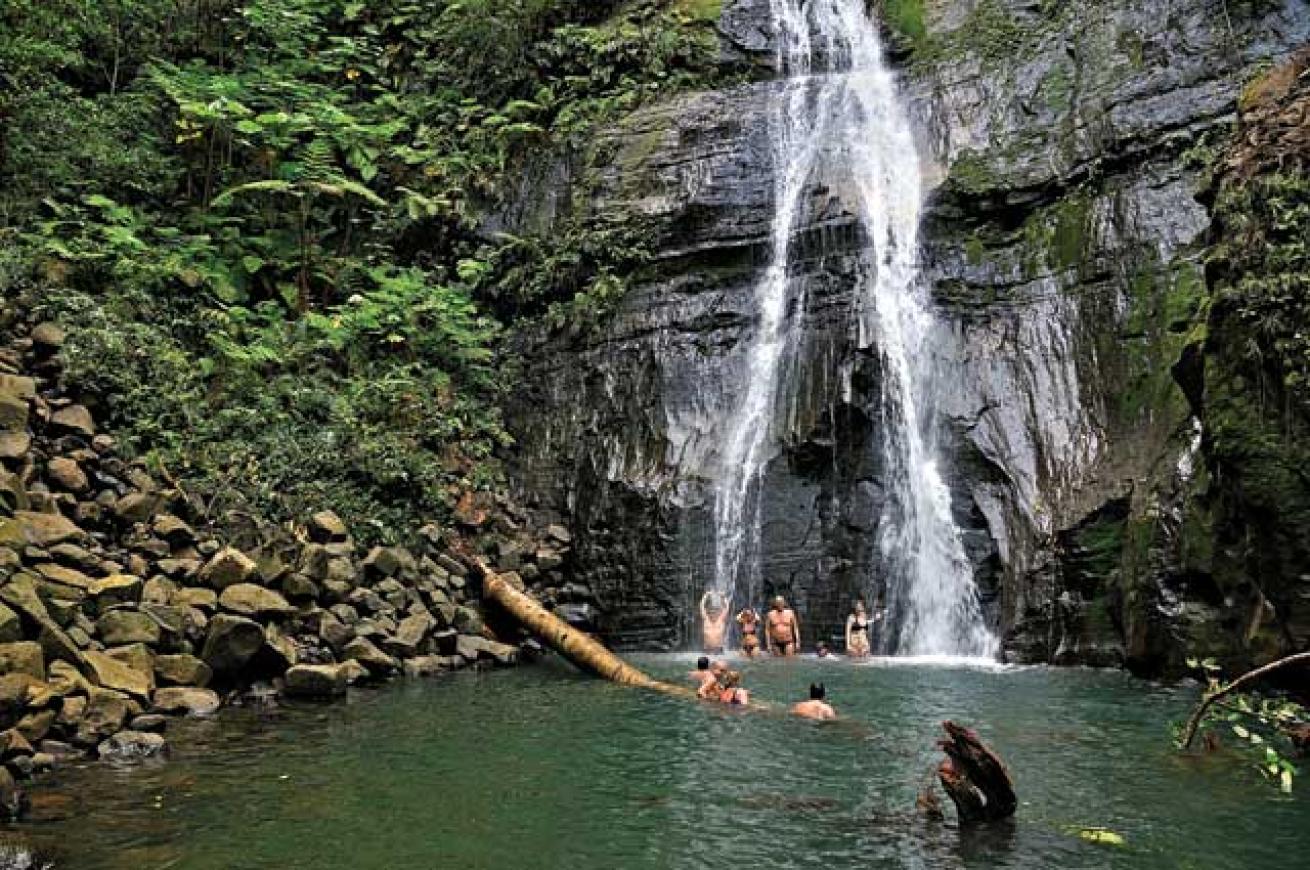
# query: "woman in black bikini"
857,632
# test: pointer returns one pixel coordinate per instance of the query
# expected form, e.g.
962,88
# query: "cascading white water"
839,96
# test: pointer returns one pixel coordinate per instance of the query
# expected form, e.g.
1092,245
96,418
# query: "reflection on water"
542,768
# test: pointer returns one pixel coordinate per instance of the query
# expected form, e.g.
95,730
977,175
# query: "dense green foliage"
266,221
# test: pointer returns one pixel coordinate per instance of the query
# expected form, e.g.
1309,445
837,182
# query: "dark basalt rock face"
1063,242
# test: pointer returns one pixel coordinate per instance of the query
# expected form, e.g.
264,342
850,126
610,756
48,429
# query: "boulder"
298,587
13,494
136,507
279,650
36,725
228,567
172,620
326,526
47,338
57,644
231,642
427,666
186,700
247,599
160,590
71,711
127,626
409,635
13,801
173,530
182,670
73,420
126,747
474,648
367,654
46,530
13,413
106,711
179,569
467,621
12,743
202,599
18,386
316,681
13,445
452,565
22,657
114,590
110,673
67,679
75,582
67,475
11,627
154,722
136,656
334,633
20,594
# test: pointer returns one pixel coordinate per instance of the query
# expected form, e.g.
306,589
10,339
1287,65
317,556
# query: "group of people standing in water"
782,628
782,635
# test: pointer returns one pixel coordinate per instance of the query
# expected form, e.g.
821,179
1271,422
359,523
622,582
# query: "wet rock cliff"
1069,148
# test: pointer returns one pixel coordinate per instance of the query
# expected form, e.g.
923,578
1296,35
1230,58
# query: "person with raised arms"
713,621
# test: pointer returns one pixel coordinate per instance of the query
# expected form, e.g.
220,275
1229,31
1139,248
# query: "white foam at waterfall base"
840,95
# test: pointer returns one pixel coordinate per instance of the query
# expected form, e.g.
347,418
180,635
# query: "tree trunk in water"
974,777
577,646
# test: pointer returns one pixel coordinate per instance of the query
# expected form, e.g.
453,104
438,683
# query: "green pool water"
543,768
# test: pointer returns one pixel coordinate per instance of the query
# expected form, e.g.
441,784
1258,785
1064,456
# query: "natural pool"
544,768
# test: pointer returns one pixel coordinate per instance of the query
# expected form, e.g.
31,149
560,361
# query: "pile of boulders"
120,606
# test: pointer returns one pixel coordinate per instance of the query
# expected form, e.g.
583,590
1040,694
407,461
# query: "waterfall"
839,97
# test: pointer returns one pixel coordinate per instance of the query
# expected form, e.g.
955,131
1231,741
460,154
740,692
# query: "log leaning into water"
577,646
974,777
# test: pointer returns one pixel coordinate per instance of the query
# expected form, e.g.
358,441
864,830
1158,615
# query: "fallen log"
974,777
577,646
1194,721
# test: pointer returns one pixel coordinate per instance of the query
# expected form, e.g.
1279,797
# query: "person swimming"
817,706
702,672
821,650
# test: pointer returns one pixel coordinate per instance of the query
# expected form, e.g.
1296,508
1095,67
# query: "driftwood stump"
974,777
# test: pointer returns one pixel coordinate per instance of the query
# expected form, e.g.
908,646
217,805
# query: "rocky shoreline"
121,608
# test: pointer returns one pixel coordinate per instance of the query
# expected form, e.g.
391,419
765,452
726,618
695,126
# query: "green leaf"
251,264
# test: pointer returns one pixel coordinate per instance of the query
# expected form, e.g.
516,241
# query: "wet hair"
703,663
818,691
732,679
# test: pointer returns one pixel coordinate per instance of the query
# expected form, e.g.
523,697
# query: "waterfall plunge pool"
544,768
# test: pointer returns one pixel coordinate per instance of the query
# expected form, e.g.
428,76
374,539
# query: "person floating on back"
702,672
749,623
817,707
713,621
783,628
